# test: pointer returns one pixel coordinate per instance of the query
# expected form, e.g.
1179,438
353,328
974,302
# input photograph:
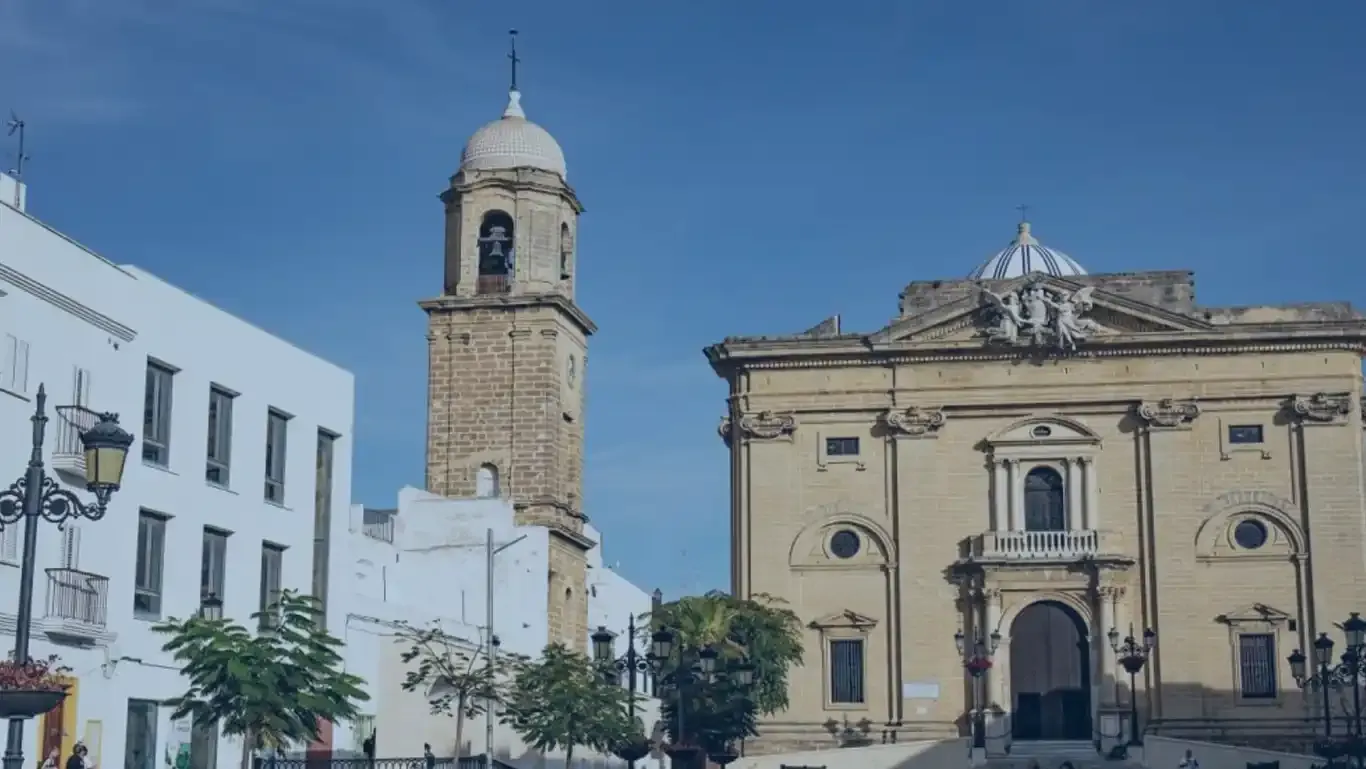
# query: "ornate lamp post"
741,673
632,664
35,496
977,660
211,607
1133,655
1327,676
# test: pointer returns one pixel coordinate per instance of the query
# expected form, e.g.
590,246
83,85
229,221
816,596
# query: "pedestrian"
1189,762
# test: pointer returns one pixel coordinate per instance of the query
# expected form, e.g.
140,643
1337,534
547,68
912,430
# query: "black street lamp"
633,664
36,495
977,660
1133,655
1347,673
705,671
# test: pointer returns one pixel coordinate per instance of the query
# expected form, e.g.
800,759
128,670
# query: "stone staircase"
1057,754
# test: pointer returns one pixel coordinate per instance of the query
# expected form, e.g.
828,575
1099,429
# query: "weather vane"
17,126
512,55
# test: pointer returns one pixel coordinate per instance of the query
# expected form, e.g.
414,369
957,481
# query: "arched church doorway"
1050,674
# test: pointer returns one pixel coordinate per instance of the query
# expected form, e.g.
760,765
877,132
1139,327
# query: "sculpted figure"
1068,324
1008,317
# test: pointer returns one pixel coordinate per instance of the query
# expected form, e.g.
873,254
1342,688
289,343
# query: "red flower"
979,664
34,675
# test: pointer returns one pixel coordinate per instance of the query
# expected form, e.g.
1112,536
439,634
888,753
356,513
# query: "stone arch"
1074,601
810,548
496,241
487,483
1050,668
1278,513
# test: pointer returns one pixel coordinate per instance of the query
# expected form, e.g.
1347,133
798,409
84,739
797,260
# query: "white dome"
513,142
1025,255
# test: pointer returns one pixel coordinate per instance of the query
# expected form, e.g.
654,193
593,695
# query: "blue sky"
748,167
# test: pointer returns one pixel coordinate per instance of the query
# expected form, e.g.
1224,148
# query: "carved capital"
1110,592
1322,408
766,425
1168,413
915,422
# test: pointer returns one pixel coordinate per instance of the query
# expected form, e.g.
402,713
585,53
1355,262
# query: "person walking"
1189,762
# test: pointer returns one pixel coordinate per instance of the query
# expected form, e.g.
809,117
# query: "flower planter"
27,703
633,751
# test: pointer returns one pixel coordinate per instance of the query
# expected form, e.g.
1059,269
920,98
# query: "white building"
241,471
426,561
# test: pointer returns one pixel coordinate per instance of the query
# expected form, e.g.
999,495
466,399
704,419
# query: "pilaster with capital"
1321,408
991,623
1108,597
1168,413
1016,494
763,425
1091,491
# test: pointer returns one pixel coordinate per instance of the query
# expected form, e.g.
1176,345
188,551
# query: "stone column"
1109,597
1088,474
1016,494
996,685
1076,515
1000,513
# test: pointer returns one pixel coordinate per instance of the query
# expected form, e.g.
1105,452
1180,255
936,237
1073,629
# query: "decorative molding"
1255,614
1113,593
767,425
1322,408
845,620
725,429
1168,413
67,304
915,422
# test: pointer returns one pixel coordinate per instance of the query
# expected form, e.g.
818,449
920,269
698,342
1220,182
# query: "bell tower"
507,348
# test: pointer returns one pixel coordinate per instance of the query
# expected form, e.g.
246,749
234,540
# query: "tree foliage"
760,630
458,681
561,701
272,687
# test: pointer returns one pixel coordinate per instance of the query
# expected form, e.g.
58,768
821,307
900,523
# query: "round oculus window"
1250,535
1041,431
845,544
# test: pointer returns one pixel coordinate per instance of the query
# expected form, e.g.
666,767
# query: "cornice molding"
1168,413
563,303
1321,408
65,303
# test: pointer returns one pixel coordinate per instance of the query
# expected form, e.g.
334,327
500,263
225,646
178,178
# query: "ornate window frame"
811,547
1070,449
1257,619
859,461
845,625
1227,449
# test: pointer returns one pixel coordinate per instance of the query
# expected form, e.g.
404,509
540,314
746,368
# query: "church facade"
507,346
1045,460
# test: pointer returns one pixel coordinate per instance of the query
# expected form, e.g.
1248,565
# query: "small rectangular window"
1245,434
841,447
156,415
220,436
846,671
277,430
151,557
213,568
1257,665
14,366
272,566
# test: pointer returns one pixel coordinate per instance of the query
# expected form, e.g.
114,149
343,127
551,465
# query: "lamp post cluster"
1327,676
37,496
707,670
1133,652
978,657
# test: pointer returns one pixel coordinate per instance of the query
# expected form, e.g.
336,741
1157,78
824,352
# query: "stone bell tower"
507,348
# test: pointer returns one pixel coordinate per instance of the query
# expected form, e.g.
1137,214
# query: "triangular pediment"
1255,613
844,620
1025,310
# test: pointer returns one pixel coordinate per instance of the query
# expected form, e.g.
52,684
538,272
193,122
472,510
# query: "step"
1061,748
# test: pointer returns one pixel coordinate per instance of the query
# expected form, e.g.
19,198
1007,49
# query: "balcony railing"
77,596
68,453
378,524
1037,545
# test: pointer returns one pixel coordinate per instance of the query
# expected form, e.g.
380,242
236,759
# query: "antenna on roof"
17,126
512,56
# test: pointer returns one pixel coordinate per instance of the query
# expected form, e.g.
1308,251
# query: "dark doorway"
1050,674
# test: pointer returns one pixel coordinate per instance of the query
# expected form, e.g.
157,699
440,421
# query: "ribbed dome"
1025,255
513,142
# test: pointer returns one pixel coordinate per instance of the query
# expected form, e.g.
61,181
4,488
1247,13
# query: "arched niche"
842,541
487,484
1231,526
566,251
496,252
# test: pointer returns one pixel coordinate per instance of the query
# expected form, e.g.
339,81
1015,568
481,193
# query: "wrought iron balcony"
77,604
1066,545
68,453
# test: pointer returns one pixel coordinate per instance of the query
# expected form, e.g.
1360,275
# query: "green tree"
561,701
272,688
759,630
458,681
